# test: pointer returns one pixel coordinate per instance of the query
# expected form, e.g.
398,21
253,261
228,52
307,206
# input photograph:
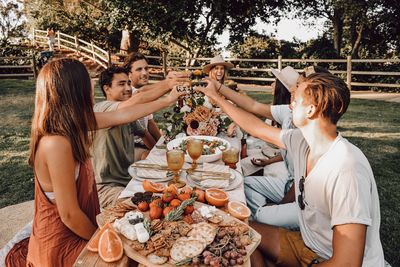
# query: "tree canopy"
360,28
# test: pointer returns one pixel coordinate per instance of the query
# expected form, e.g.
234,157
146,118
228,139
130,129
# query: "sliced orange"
110,246
216,197
153,187
171,189
93,244
238,210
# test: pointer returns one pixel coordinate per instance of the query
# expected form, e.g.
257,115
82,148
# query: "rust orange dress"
51,242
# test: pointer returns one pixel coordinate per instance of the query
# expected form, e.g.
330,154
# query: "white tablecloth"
136,186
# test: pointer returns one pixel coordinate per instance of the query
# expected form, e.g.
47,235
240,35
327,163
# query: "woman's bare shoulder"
55,144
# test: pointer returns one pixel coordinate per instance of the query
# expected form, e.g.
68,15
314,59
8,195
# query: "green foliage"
12,24
361,28
191,25
318,48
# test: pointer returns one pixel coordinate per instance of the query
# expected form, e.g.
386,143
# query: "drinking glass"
230,157
195,150
175,160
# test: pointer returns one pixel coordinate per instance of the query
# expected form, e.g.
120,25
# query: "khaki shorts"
293,251
108,194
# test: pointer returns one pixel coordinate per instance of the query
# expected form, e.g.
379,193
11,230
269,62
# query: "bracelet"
313,262
219,88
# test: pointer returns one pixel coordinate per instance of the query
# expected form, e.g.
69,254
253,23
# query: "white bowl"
204,158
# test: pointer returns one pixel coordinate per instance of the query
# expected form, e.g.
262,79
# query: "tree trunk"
356,45
129,42
337,22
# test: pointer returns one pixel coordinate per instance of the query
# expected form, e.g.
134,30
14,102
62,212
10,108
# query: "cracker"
153,258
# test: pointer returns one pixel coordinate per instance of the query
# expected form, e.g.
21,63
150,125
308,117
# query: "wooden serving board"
135,255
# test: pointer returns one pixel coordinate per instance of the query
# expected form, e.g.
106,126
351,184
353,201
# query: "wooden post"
280,63
109,58
348,74
92,48
33,38
34,66
164,63
76,43
58,40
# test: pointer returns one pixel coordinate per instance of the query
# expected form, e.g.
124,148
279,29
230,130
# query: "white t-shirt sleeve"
292,139
351,197
280,113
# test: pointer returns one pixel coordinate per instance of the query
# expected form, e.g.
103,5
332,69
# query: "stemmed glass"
195,150
230,157
175,160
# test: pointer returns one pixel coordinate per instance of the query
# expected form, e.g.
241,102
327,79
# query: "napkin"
152,173
215,167
214,183
207,183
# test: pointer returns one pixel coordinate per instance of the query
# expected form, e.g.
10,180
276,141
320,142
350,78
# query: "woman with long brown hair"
63,128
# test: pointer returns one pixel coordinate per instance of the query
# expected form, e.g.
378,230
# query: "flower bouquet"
193,114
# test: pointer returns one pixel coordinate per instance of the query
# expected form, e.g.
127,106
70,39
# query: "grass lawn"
374,126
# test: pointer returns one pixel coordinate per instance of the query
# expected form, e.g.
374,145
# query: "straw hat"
217,60
287,76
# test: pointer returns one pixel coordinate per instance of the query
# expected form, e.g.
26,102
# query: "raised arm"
348,245
134,112
154,91
61,167
245,102
245,120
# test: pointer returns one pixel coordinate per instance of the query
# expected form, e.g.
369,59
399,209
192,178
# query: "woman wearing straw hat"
217,69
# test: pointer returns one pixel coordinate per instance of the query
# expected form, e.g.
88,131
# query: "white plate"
132,172
204,158
234,182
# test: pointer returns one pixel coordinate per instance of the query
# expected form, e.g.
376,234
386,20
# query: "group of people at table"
326,209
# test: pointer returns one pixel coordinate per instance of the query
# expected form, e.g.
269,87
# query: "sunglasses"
300,197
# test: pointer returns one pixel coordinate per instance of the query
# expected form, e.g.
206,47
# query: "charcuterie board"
214,235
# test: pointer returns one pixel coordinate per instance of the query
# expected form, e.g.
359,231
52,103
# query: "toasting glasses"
195,150
230,157
175,160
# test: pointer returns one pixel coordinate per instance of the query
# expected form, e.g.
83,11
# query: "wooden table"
88,258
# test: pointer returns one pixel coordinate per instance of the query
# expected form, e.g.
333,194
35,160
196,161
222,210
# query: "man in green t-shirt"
114,148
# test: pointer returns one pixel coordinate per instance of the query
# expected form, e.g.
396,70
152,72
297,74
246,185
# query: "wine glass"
175,160
195,150
230,157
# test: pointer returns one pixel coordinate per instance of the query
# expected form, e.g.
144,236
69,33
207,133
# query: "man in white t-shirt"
338,203
138,68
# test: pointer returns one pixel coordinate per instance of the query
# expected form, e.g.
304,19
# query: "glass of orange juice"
175,160
195,150
230,157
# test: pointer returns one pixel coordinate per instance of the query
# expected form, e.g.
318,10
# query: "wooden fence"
161,64
73,43
26,66
347,72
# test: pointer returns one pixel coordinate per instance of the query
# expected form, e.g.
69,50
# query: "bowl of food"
212,147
